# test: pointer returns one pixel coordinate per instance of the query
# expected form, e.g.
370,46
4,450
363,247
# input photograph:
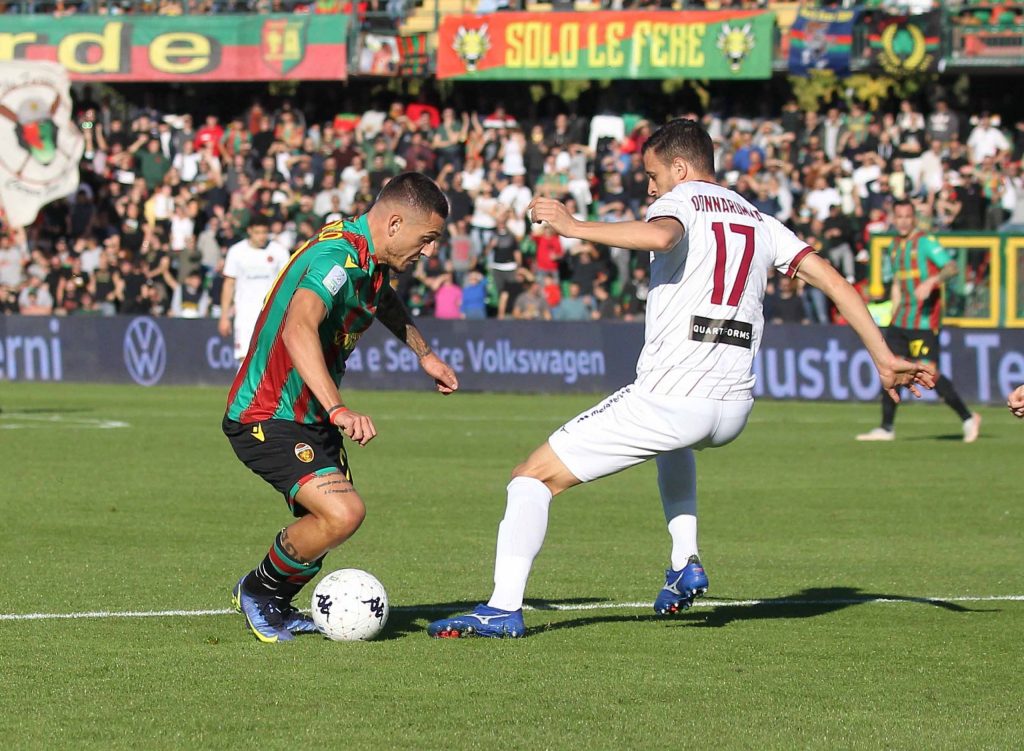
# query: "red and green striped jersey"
339,265
914,259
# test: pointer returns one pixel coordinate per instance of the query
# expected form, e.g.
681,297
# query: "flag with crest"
40,146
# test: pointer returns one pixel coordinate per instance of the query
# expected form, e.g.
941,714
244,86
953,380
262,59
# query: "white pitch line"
543,608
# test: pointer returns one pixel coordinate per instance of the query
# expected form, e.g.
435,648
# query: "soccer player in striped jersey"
920,265
711,252
285,415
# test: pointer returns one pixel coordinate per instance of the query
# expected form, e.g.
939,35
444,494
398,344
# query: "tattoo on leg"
330,483
289,548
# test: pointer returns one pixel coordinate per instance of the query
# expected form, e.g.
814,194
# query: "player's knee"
527,469
341,520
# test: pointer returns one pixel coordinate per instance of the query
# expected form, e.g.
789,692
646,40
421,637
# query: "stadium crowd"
163,196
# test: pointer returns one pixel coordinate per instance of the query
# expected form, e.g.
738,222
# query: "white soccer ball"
350,605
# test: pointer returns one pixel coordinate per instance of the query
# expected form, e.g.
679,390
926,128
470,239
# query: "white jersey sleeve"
232,261
672,205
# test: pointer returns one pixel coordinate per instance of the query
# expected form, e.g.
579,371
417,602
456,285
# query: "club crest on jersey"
335,279
304,452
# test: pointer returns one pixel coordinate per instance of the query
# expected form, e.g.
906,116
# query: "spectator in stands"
634,294
575,306
821,198
165,199
786,305
943,123
531,304
13,258
474,296
505,258
606,308
35,299
986,140
447,298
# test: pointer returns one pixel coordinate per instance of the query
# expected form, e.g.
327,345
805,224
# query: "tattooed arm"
392,313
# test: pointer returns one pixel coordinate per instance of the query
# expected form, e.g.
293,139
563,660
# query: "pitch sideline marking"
29,420
544,608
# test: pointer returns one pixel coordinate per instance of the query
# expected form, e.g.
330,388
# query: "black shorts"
288,454
917,344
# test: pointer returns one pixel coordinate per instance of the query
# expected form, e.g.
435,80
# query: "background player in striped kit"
711,251
284,409
920,265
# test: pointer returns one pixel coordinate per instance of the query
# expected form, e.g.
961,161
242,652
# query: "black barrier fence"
795,362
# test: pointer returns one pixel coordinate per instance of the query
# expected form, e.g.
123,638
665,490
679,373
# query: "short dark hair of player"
904,202
415,189
258,220
686,140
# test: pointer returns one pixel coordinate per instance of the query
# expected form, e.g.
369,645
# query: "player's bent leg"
264,595
336,511
685,579
520,537
544,465
702,423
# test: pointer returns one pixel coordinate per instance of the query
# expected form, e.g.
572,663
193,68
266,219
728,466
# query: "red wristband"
337,409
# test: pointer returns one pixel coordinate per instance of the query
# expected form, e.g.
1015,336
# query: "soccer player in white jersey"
250,268
710,255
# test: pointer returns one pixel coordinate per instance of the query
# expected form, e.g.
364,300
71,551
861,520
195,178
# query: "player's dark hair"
258,220
686,140
903,202
415,189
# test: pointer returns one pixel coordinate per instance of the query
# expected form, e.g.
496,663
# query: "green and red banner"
721,45
182,48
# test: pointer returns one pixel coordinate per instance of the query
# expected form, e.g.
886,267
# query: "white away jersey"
254,272
704,311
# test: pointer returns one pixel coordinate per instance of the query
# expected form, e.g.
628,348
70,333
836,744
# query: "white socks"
677,481
683,530
520,537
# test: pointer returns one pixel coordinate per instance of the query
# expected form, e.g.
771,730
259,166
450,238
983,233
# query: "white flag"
40,146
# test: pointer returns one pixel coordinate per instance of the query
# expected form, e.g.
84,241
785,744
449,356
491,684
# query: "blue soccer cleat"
263,615
295,620
483,621
681,588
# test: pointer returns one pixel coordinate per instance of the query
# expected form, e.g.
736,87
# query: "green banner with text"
720,45
182,48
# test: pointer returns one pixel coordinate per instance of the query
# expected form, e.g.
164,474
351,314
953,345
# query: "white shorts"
633,425
244,328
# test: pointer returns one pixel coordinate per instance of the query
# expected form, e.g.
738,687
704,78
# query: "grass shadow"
408,619
807,603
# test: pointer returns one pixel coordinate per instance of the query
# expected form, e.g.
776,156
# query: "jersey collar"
364,229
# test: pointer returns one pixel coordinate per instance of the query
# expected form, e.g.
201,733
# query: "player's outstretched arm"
659,236
1015,401
392,313
301,338
894,371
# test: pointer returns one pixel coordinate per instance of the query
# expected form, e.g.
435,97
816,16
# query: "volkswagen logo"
145,353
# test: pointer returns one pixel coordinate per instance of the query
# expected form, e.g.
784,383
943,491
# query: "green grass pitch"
125,499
